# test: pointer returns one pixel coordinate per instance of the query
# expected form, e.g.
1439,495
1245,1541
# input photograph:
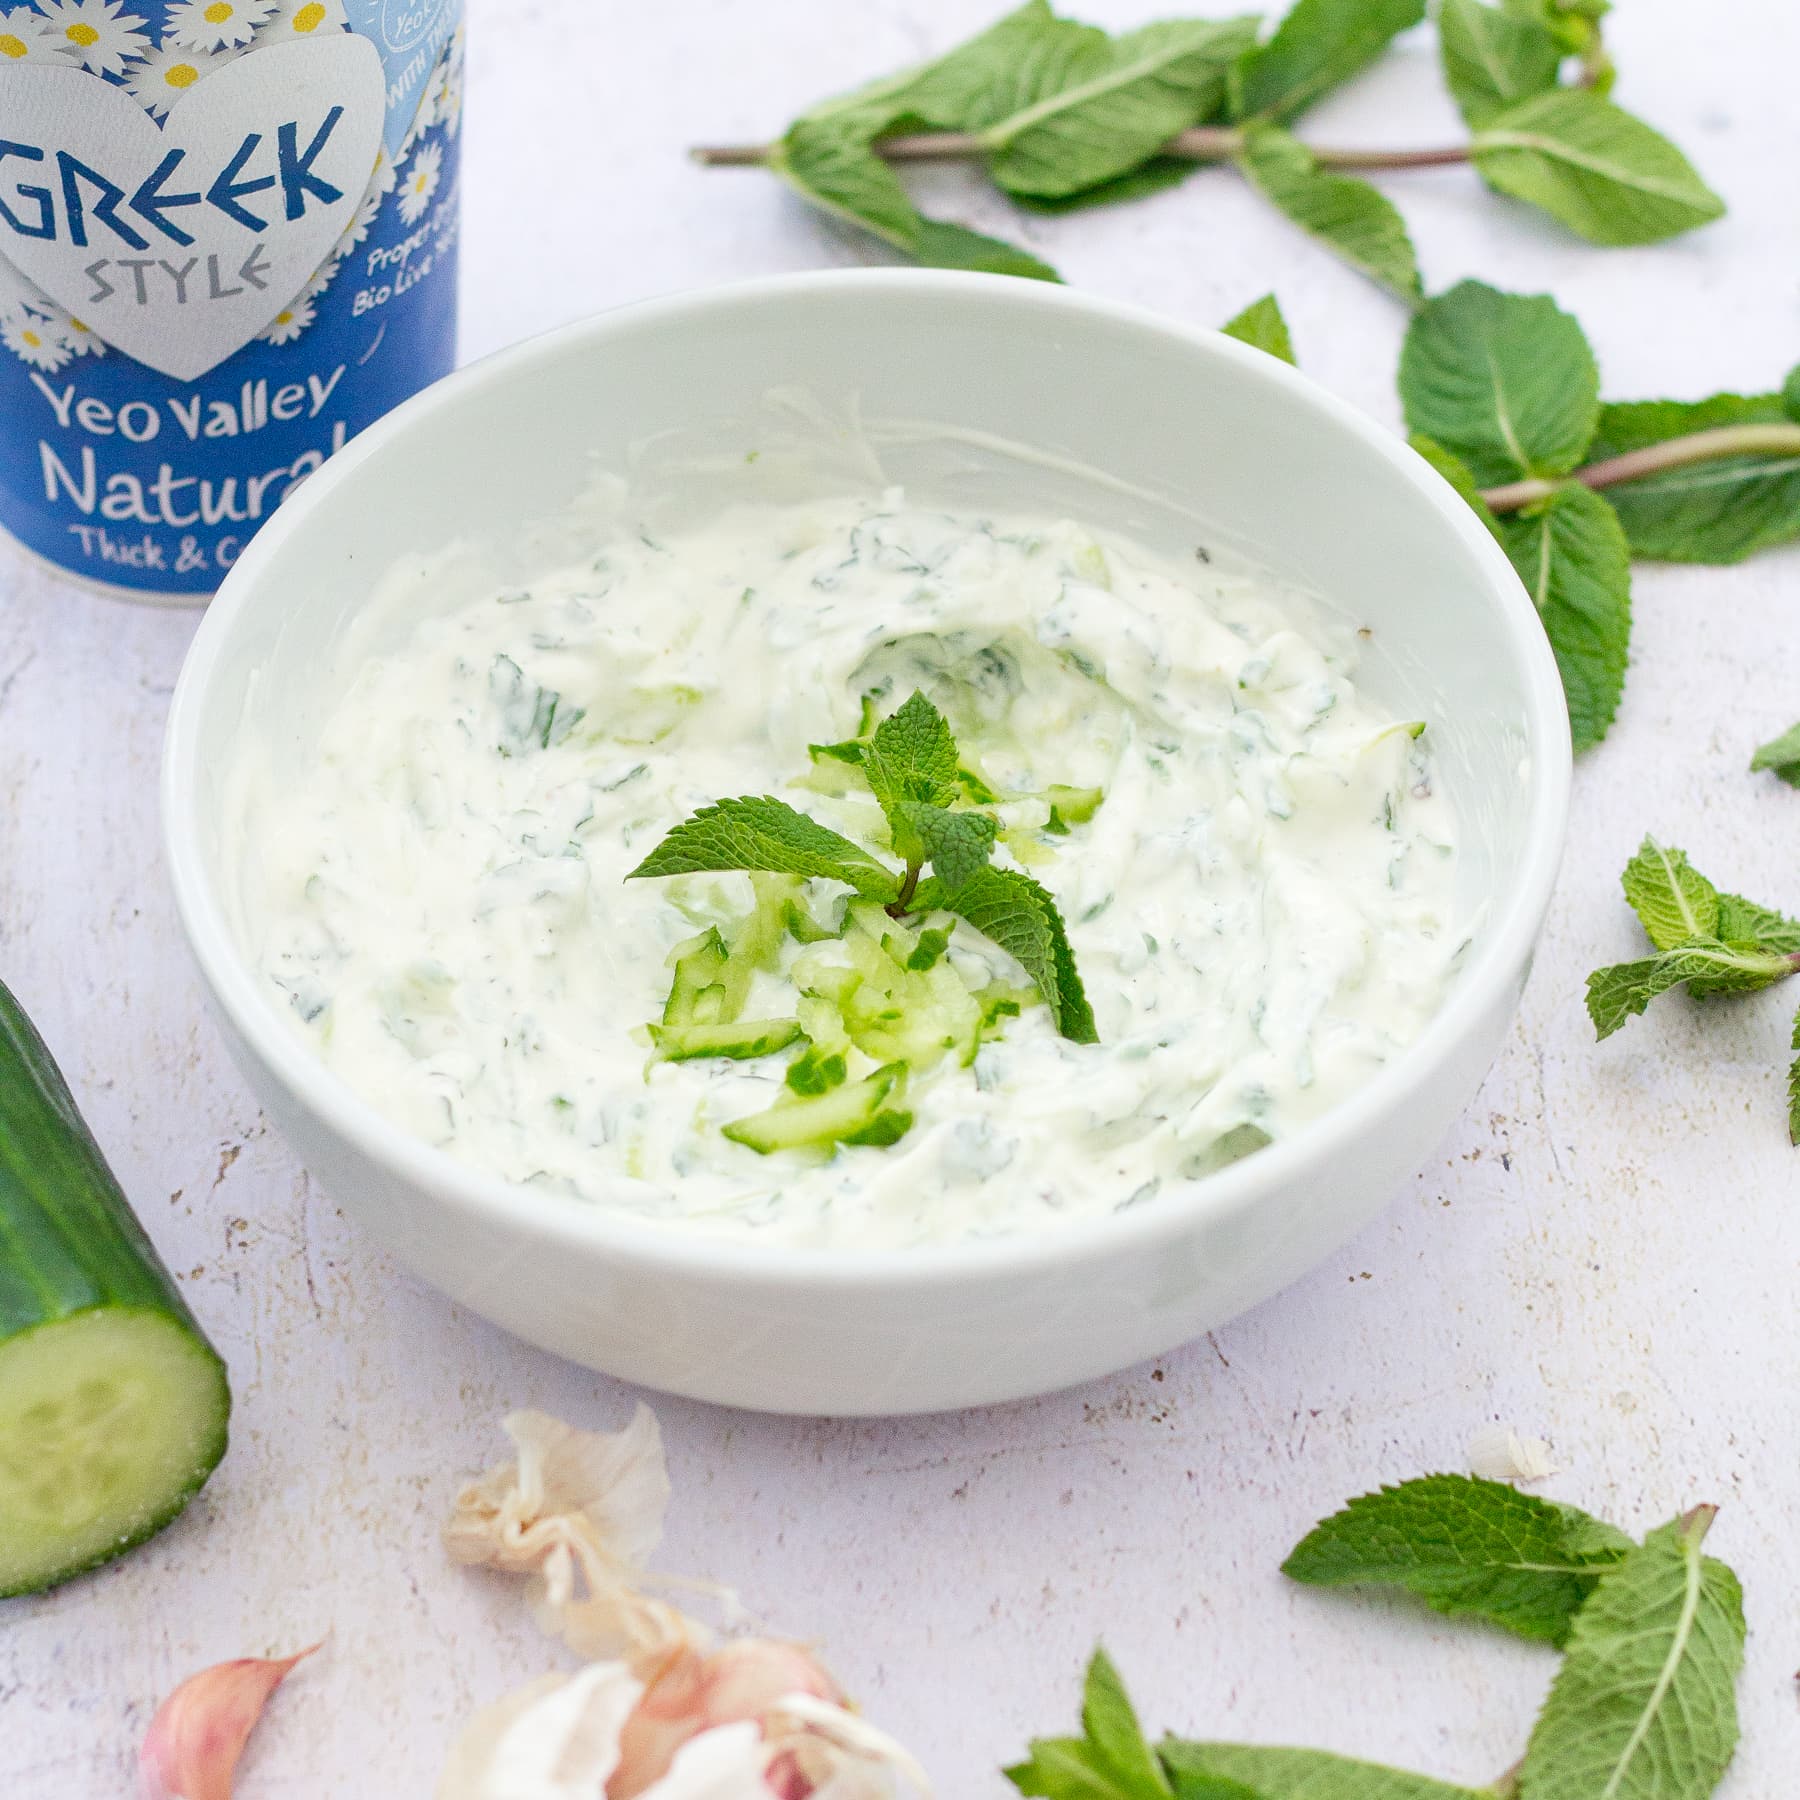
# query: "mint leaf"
1574,24
828,161
1782,755
912,756
1504,381
1674,902
1602,172
1014,912
1262,327
766,835
942,245
1022,58
1742,921
1718,511
1492,58
1153,177
1317,46
1344,212
1272,1772
1570,552
1110,1761
1793,1086
1712,965
1457,472
956,844
1153,82
1468,1548
1644,1706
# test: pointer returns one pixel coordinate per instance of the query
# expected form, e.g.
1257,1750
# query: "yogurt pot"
228,242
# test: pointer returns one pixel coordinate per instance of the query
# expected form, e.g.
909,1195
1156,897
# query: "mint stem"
1201,144
897,907
1674,453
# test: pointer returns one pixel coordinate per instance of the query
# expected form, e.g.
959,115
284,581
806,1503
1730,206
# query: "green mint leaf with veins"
1156,176
1468,1548
1493,58
1262,326
1316,47
1782,755
912,757
1014,912
768,835
1605,174
1717,511
1644,1705
1344,212
1109,1761
1742,921
1674,902
1506,382
1272,1772
829,162
1570,552
1149,84
1459,475
1793,1086
956,844
941,244
1711,966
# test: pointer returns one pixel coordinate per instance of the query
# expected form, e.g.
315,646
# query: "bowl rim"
566,1220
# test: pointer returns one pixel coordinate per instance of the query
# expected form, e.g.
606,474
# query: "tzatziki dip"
473,901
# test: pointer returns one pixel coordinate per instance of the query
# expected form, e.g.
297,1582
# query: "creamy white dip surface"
1260,906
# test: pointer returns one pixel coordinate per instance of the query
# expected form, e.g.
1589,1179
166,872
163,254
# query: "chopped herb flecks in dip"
1254,864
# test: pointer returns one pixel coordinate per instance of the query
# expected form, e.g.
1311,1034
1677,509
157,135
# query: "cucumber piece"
113,1405
1071,806
697,994
738,1038
852,1114
815,1072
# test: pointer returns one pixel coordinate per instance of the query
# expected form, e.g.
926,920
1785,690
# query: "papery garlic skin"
581,1511
191,1749
603,1735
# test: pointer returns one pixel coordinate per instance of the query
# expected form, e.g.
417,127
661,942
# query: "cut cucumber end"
110,1422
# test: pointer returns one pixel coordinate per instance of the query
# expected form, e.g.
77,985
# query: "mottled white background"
1604,1252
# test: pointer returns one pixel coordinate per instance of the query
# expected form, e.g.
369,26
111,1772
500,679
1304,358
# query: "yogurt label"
227,243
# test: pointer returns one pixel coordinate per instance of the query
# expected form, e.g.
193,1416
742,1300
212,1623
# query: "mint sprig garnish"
1063,115
911,764
1710,941
1643,1706
1501,394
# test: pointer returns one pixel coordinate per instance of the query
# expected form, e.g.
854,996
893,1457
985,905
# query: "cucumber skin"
69,1241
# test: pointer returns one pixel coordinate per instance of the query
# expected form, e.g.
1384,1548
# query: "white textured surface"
1604,1253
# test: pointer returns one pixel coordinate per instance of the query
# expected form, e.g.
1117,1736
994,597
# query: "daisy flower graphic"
450,100
420,182
99,34
387,174
216,24
323,277
171,71
37,343
26,37
303,19
17,292
79,338
361,224
288,324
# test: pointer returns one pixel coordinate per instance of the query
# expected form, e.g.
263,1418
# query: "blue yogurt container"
228,242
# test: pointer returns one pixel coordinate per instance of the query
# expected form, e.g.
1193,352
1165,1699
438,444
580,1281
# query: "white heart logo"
178,245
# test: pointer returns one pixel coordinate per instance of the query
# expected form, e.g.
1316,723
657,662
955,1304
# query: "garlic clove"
192,1747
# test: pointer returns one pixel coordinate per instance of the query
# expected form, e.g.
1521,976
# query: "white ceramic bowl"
1178,415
